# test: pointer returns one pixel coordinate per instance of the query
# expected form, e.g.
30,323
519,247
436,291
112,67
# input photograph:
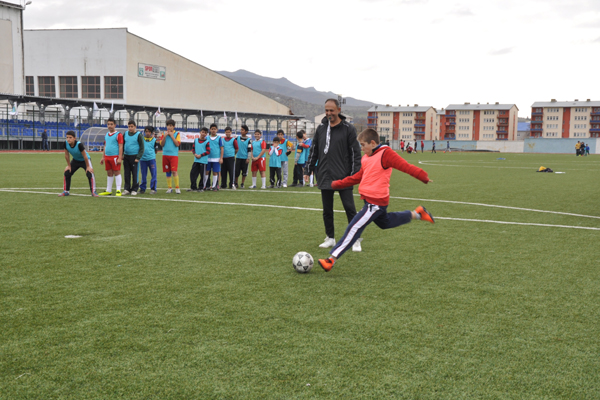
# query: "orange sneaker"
326,264
425,215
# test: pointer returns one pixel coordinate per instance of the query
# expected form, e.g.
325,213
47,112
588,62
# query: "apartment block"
565,119
408,123
480,122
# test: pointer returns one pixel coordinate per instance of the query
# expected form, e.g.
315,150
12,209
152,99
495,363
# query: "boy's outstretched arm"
391,159
348,181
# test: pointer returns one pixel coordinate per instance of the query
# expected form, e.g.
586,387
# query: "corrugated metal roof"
524,126
480,106
399,109
566,104
11,5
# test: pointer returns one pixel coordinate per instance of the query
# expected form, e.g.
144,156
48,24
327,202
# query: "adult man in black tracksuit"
336,149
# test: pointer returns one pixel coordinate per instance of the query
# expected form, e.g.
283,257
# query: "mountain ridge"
285,87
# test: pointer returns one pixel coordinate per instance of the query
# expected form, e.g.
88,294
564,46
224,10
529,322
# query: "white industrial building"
11,48
114,65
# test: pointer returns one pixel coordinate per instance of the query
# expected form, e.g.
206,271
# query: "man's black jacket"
343,154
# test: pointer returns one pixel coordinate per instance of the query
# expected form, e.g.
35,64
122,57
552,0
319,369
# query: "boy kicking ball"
81,159
374,178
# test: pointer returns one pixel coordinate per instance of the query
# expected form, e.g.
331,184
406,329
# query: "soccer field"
194,295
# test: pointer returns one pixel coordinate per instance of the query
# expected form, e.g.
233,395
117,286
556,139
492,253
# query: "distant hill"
284,87
310,111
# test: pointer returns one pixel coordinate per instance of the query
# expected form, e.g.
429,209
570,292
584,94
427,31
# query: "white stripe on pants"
364,220
284,172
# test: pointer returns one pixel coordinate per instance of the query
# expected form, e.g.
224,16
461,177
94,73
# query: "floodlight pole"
33,128
57,129
79,123
7,128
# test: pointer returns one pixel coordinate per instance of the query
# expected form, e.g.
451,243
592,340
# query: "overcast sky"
430,52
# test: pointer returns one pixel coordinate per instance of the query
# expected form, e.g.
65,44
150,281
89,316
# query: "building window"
113,87
46,86
90,87
29,87
68,87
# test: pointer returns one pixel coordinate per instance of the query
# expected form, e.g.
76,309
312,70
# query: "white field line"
308,209
357,195
435,164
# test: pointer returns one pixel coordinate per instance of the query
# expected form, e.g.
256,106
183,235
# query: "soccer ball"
303,262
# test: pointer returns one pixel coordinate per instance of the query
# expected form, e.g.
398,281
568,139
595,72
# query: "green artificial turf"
173,300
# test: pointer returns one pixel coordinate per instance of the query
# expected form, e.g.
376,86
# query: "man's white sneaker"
252,187
329,242
356,246
133,193
264,187
177,191
169,191
125,192
284,185
311,185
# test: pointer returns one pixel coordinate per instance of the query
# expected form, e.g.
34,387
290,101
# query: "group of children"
582,149
211,152
215,157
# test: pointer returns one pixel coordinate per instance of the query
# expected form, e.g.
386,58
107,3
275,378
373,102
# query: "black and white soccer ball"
303,262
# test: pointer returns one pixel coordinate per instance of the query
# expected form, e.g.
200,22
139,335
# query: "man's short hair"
149,129
367,135
258,131
213,125
335,101
227,128
300,134
71,133
280,131
111,119
245,127
204,129
132,122
276,139
171,122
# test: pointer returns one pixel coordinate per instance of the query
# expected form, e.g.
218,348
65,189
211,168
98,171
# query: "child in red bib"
374,189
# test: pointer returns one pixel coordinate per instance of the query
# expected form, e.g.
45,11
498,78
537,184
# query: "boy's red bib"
375,182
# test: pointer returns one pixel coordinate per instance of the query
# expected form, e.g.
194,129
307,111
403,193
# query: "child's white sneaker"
329,242
356,246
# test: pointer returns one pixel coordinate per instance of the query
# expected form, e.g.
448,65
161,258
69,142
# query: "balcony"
596,112
419,133
372,117
372,124
595,121
536,129
502,123
420,117
595,130
501,132
537,113
419,125
450,115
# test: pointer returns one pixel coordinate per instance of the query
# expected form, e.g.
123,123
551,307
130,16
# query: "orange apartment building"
565,119
408,123
479,122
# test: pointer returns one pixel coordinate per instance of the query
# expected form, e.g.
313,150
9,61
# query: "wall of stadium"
529,145
187,84
11,50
